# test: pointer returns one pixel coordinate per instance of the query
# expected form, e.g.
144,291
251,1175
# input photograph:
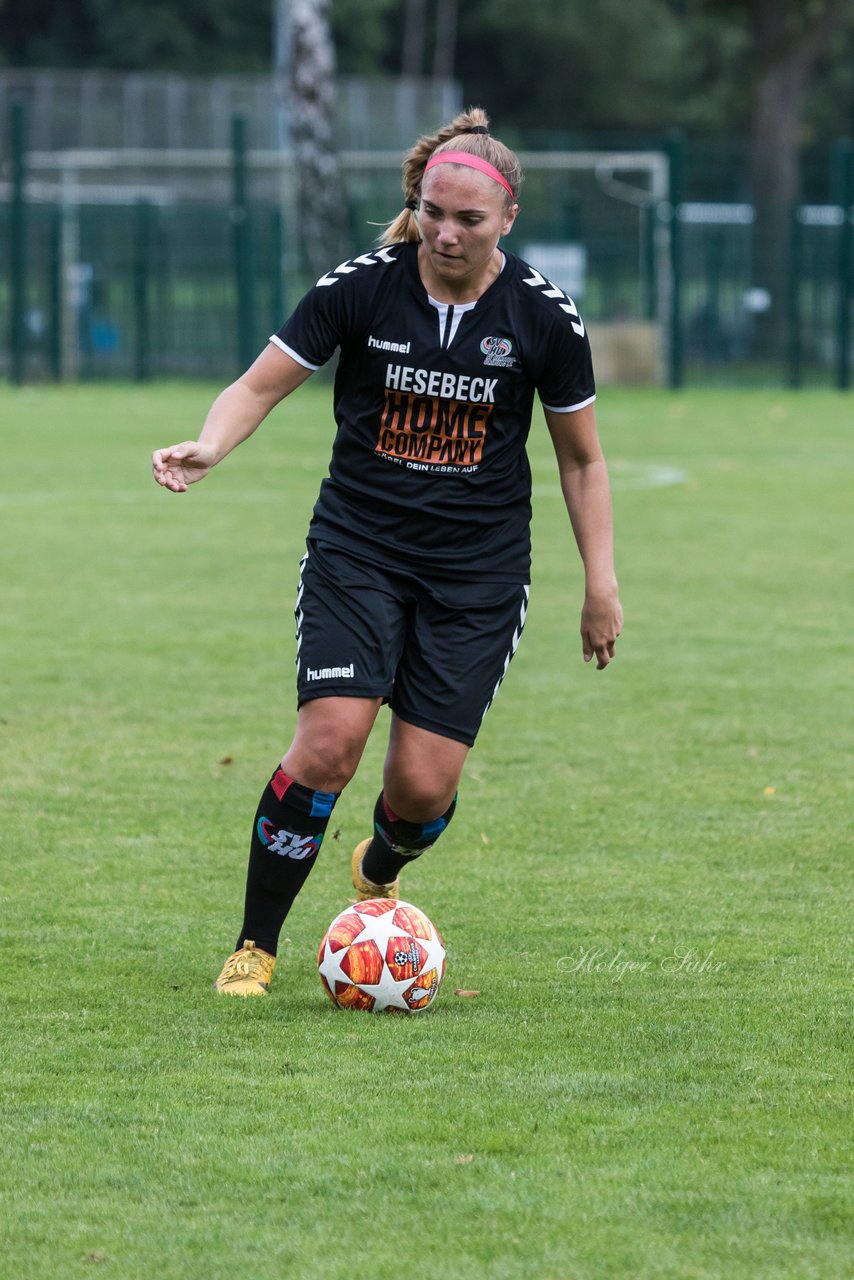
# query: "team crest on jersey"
498,352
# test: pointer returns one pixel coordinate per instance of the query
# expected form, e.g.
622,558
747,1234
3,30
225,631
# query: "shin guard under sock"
397,841
287,835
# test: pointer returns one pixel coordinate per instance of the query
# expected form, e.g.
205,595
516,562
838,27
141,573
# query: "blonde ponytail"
469,132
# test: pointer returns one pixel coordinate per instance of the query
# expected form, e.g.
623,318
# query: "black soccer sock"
397,841
287,835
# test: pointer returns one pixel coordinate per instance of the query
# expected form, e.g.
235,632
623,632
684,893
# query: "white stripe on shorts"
298,614
517,636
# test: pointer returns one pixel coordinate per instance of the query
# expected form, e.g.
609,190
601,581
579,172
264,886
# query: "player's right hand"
180,465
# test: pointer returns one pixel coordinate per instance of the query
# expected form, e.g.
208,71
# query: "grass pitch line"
624,476
627,475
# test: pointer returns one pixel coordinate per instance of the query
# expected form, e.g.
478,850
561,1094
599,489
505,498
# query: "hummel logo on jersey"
381,345
346,268
539,282
330,673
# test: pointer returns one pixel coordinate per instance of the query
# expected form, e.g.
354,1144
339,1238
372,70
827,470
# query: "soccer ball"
382,954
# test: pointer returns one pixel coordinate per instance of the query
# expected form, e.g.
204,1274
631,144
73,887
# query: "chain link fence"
141,261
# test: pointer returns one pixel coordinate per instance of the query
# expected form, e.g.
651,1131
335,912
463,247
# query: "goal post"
594,222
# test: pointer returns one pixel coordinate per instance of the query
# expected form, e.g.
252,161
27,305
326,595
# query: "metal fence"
140,263
104,110
732,330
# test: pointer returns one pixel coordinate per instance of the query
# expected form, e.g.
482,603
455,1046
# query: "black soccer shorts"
435,649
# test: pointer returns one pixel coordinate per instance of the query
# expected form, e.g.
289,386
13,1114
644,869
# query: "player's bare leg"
422,770
330,737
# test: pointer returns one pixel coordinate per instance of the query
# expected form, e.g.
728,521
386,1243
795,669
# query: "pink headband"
473,162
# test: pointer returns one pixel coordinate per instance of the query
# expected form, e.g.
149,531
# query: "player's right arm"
232,418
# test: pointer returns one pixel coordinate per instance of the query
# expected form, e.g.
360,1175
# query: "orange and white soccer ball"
384,955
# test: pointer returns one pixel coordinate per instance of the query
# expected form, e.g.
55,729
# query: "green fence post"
277,254
142,237
793,310
649,284
56,299
675,156
843,195
244,266
18,243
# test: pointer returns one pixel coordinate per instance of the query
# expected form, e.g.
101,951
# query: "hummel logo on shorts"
330,673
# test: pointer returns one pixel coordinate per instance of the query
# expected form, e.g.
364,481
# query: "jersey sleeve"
316,328
566,382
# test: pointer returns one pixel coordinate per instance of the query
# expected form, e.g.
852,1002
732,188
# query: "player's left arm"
587,493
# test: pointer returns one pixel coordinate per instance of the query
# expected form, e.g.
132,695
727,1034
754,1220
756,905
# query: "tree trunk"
444,53
414,38
785,58
321,203
775,184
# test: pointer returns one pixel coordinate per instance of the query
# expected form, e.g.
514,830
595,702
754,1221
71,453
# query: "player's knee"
419,797
325,760
410,835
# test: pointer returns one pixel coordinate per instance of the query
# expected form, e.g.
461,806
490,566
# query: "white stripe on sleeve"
569,408
294,355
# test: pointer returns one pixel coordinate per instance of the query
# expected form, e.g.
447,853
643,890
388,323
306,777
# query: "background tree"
445,47
414,37
138,35
787,39
311,126
366,36
785,43
555,69
639,68
781,45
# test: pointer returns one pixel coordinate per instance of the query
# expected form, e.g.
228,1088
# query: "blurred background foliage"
557,67
729,247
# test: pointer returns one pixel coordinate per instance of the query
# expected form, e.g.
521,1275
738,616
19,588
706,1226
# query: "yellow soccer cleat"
246,972
366,889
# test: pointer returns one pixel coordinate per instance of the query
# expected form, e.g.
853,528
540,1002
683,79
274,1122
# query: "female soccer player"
414,587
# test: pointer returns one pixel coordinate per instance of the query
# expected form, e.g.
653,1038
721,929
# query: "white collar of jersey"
451,313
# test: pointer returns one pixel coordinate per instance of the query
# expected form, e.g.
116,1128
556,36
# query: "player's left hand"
601,624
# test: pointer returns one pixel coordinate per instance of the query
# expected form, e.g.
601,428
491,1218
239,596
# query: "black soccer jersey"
433,404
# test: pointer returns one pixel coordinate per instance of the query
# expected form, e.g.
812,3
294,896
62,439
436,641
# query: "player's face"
462,216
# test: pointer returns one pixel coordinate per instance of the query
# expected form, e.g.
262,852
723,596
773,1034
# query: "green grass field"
646,879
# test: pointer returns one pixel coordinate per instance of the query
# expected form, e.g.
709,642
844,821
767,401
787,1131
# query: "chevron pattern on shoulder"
353,264
549,290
